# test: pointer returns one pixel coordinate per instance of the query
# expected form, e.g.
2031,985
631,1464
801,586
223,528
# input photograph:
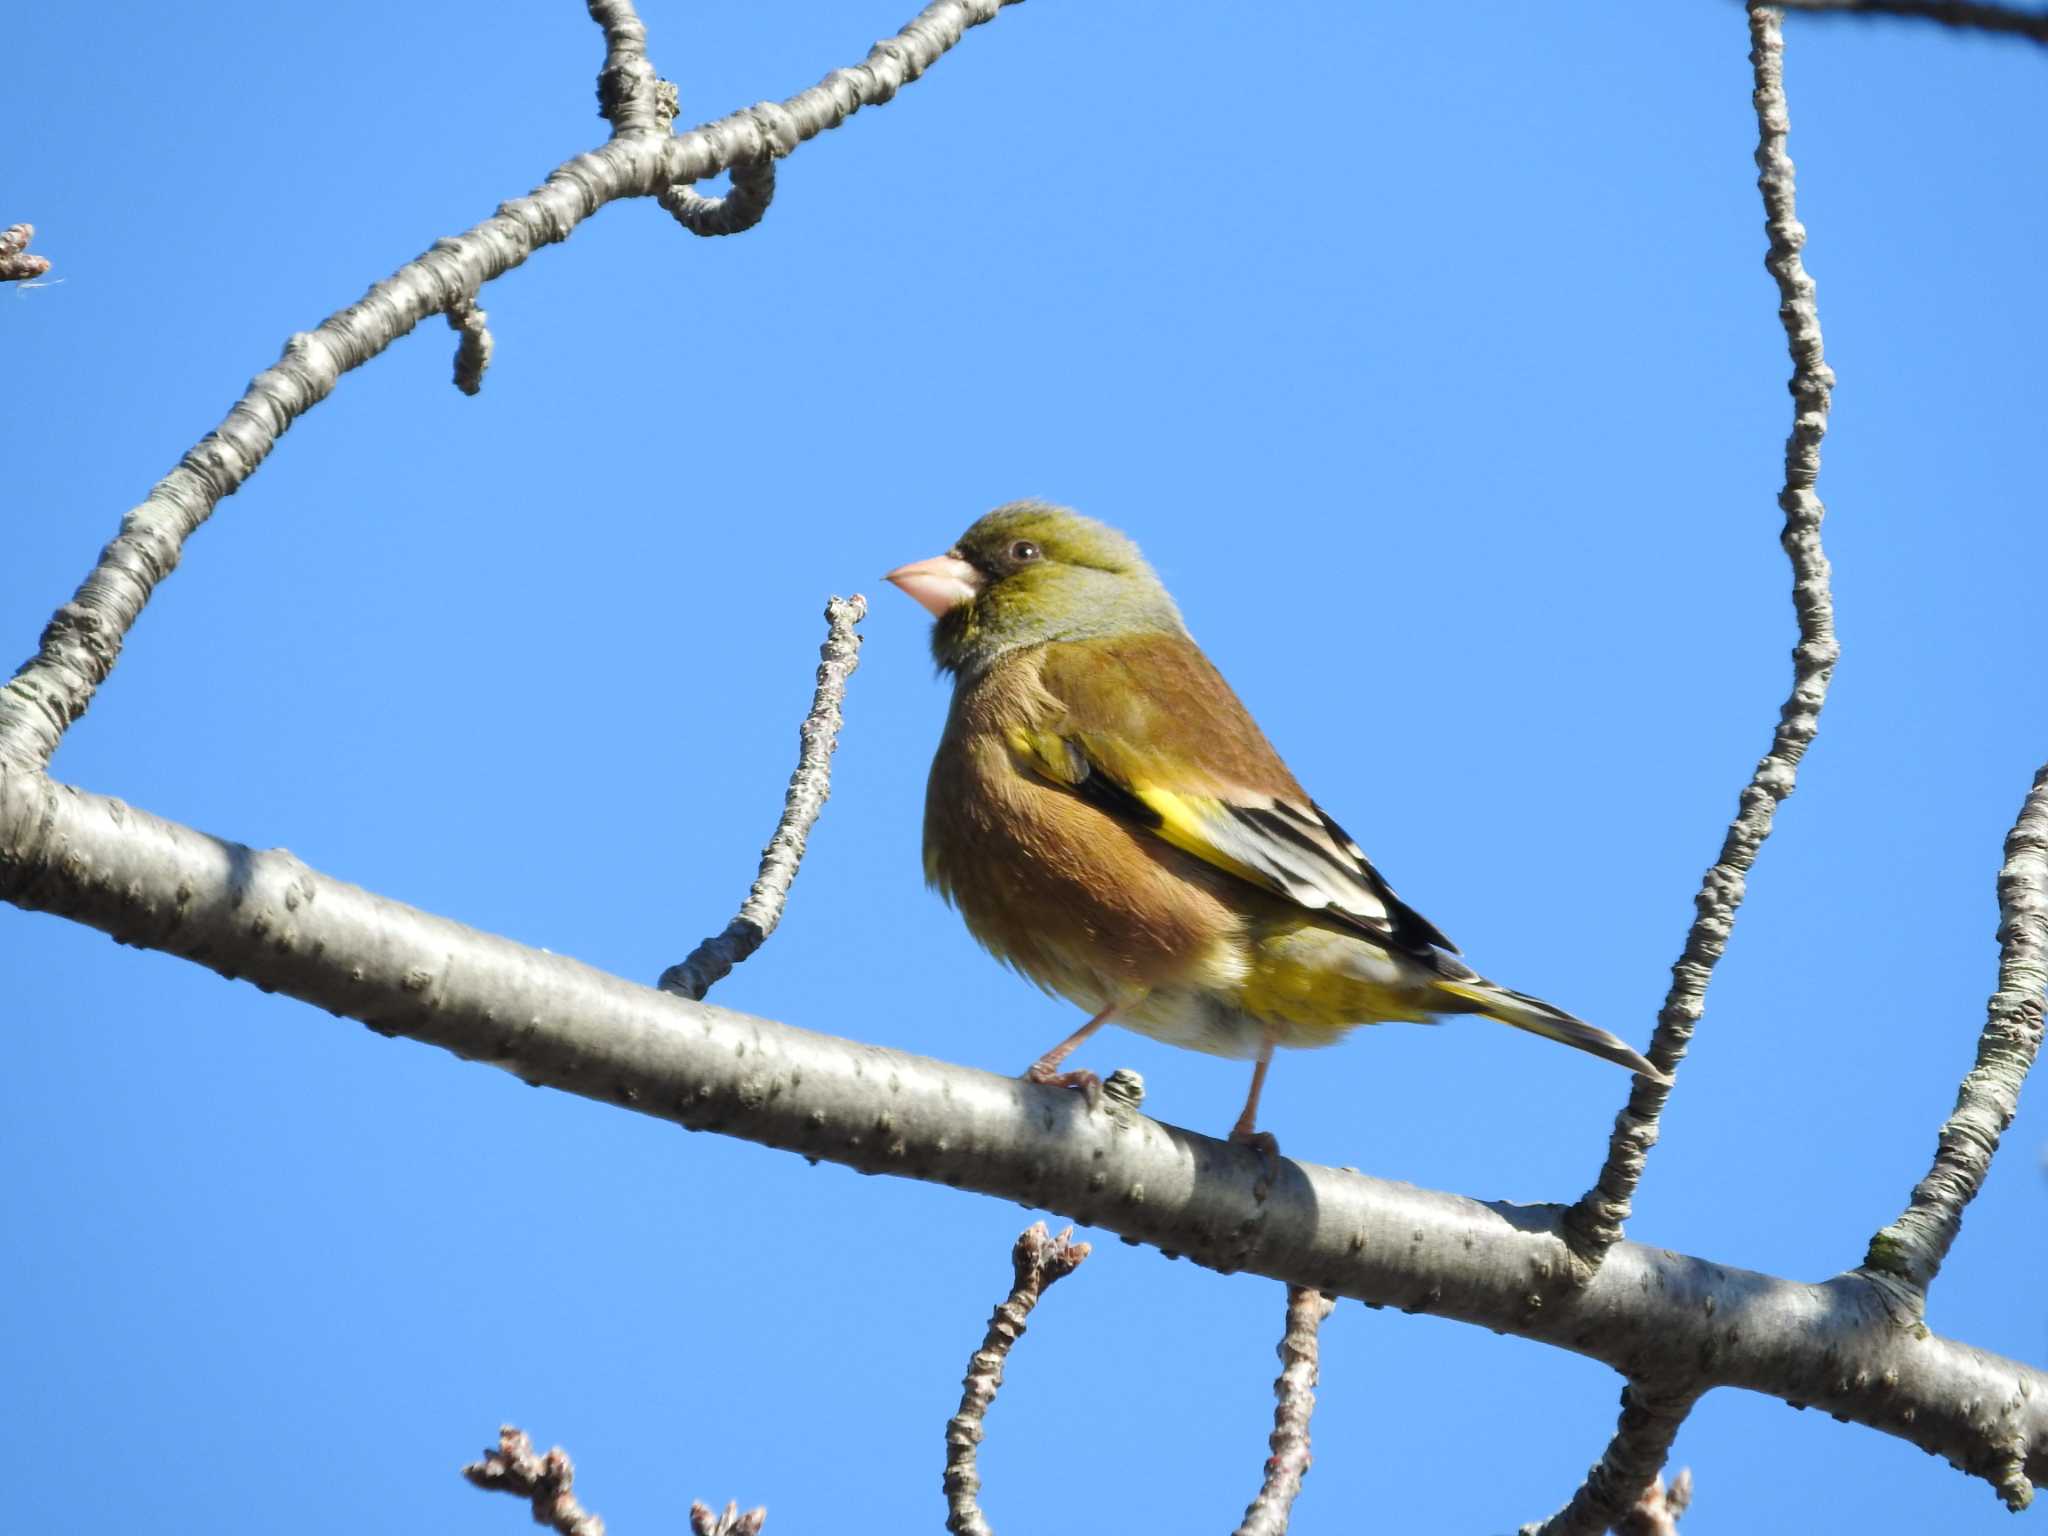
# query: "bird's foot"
1048,1075
1267,1145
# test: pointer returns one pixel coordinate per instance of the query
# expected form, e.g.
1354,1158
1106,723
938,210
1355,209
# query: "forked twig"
728,1522
1659,1510
809,787
83,639
16,265
544,1481
1038,1260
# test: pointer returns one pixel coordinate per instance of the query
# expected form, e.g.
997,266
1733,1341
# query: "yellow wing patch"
1185,820
1182,820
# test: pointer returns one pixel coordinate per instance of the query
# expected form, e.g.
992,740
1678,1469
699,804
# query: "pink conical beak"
939,584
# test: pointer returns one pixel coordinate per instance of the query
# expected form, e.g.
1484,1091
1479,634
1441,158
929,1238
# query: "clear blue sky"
1430,354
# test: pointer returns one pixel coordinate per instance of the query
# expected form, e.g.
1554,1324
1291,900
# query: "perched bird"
1108,819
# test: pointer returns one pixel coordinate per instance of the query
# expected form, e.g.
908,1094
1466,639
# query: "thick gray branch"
2008,19
1294,1402
1651,1314
83,639
809,787
1598,1217
1911,1249
1623,1477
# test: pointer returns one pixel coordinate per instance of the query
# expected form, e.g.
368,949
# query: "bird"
1109,820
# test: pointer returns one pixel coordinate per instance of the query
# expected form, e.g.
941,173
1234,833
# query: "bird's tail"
1475,994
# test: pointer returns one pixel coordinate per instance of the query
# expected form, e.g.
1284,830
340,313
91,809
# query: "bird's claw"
1080,1078
1267,1145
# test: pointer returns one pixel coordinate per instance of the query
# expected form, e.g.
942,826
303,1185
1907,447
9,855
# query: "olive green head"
1028,574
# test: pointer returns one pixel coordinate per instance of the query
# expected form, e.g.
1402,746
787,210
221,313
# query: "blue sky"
1428,352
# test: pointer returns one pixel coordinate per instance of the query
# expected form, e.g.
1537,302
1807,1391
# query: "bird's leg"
1046,1069
1246,1133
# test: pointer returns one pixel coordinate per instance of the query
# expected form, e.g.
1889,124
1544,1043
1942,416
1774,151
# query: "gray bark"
1653,1315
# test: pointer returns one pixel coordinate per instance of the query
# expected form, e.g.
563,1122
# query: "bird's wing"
1145,728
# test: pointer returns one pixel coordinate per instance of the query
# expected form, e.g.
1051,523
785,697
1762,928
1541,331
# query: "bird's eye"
1024,551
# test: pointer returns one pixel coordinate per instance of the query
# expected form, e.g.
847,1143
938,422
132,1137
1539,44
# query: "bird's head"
1030,573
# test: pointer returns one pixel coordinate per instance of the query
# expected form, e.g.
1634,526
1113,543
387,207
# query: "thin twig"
1624,1484
16,265
703,1522
2008,19
1037,1260
753,189
1294,1400
1909,1252
626,87
1659,1510
473,350
544,1481
84,637
809,787
1596,1221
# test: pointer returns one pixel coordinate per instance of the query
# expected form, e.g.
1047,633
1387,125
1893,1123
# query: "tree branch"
544,1481
1037,1260
1659,1510
1623,1479
2007,19
1294,1401
473,348
753,189
809,787
704,1521
1597,1219
84,638
626,86
16,265
1649,1313
1910,1251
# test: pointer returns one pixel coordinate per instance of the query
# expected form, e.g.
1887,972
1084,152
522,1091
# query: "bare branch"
1659,1510
1649,1313
730,1523
15,262
1294,1400
1596,1220
1910,1251
626,86
2008,19
1037,1260
753,188
809,787
1624,1484
545,1481
473,351
84,638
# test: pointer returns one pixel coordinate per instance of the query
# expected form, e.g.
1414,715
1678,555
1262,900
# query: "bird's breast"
1082,904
